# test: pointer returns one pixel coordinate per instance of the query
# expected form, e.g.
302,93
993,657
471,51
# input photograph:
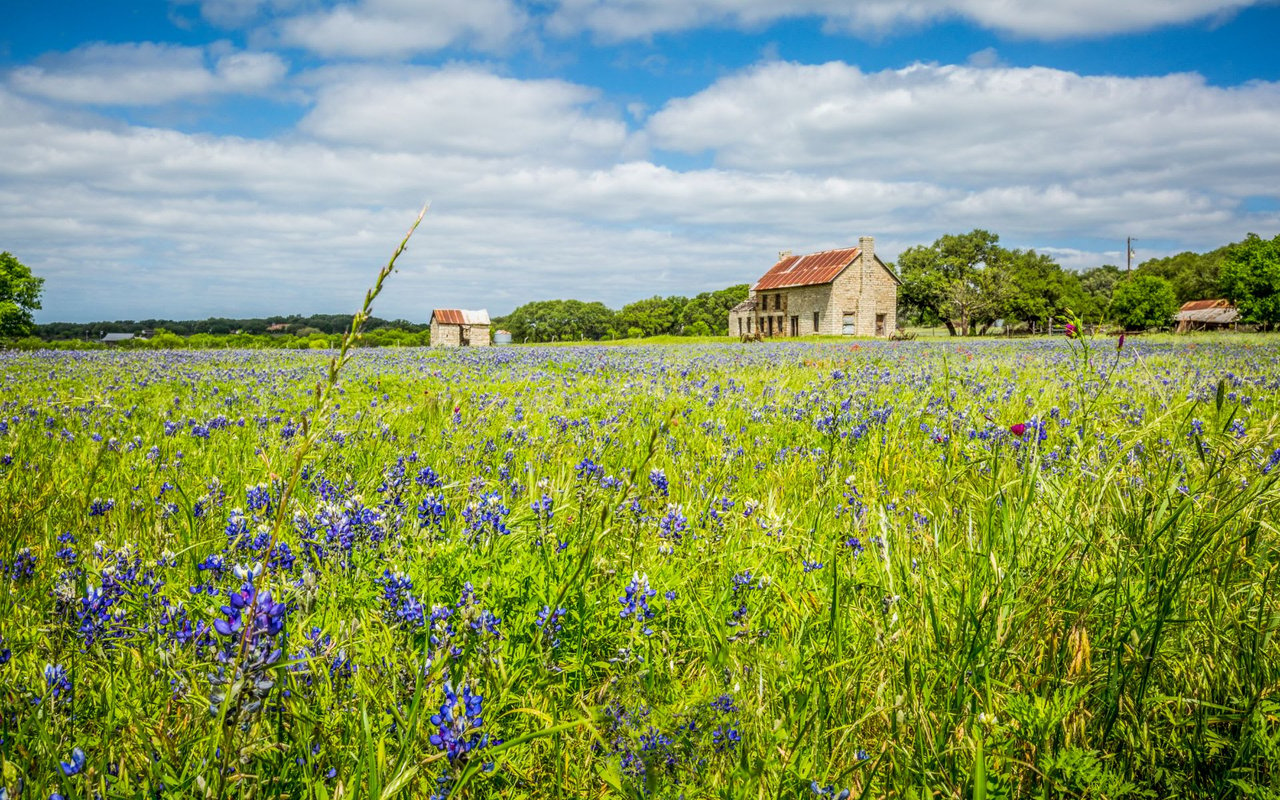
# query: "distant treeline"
705,314
296,324
162,339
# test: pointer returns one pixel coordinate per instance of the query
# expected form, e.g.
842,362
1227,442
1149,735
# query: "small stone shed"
452,327
846,292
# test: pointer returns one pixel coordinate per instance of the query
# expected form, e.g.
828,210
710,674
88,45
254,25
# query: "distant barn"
1206,315
452,327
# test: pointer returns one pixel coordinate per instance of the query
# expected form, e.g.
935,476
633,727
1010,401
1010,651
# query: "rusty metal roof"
810,270
1212,316
456,316
1201,305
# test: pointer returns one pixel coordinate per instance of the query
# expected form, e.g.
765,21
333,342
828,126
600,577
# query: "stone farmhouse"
848,292
451,327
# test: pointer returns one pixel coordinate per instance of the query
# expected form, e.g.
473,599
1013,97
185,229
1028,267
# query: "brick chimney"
868,246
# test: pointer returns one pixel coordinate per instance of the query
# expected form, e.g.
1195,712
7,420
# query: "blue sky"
193,158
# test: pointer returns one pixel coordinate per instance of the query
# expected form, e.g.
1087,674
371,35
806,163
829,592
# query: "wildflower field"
1012,569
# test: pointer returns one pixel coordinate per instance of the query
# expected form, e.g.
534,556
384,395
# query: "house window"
815,322
847,325
880,324
748,324
739,326
795,325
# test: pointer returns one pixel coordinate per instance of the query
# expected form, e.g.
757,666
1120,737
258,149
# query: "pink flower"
1017,429
1071,331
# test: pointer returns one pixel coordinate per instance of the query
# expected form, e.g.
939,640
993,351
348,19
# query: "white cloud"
626,19
146,74
463,110
979,128
396,28
540,190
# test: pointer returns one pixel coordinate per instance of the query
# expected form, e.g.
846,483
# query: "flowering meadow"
993,569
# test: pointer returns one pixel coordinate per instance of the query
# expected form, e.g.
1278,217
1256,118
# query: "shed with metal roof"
1205,315
453,327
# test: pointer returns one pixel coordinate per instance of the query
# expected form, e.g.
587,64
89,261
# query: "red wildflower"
1017,429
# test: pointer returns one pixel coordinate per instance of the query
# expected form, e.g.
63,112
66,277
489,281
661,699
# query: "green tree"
1251,277
1143,301
968,281
1097,285
711,309
654,316
19,296
1194,276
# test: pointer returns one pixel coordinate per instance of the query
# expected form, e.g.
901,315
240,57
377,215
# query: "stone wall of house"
479,336
445,335
867,291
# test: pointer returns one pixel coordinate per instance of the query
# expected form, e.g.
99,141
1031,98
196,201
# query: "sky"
183,159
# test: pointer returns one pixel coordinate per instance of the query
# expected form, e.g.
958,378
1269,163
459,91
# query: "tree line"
969,283
705,314
296,324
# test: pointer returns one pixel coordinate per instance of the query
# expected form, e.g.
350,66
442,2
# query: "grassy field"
920,569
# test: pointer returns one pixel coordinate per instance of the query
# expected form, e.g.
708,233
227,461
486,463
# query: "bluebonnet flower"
725,738
658,480
810,566
258,499
543,509
486,516
254,636
100,507
57,681
458,724
400,606
472,614
549,623
673,525
636,601
75,765
588,470
23,566
427,478
854,544
1271,462
97,622
724,704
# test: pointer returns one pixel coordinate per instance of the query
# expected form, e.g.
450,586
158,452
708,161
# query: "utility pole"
1128,255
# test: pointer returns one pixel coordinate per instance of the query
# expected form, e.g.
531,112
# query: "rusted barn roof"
1210,316
455,316
1201,305
811,270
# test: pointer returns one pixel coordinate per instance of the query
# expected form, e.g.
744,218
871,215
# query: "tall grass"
876,585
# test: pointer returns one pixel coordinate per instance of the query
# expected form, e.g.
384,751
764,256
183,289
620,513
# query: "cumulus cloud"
147,74
541,191
396,28
626,19
975,127
463,110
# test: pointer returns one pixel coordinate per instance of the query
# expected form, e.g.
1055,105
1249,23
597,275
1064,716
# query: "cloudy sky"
194,158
